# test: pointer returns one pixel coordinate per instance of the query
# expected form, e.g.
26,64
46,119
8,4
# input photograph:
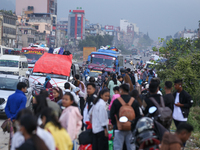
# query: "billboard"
107,27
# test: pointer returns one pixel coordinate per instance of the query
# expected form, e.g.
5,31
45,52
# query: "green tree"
95,41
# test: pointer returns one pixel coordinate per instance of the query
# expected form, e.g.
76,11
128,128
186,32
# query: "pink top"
70,119
115,96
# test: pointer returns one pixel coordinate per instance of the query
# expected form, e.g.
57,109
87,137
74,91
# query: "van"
13,64
3,49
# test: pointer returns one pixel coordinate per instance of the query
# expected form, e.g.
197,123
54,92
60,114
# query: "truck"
87,51
108,60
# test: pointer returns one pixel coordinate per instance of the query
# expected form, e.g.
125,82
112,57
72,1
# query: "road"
4,138
144,59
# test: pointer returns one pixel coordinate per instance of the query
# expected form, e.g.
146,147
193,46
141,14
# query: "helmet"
144,123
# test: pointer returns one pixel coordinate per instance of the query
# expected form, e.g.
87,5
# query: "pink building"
24,7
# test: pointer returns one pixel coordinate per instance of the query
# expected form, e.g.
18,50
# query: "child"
115,96
52,125
57,94
71,118
100,121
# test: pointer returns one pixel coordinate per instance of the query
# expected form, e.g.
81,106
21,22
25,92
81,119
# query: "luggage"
125,110
85,147
85,137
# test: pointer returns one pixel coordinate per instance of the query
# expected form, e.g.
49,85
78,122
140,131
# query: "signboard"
103,56
107,27
87,51
33,52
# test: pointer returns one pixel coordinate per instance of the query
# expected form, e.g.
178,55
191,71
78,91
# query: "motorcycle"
147,133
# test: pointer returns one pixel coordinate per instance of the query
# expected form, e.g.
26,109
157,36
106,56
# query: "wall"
41,27
40,6
1,29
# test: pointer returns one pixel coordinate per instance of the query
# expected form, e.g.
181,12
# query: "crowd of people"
59,116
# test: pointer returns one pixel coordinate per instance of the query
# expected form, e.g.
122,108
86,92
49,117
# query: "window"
37,27
24,65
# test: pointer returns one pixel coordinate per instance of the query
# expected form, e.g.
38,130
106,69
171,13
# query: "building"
76,24
8,29
25,7
61,38
28,35
45,23
124,26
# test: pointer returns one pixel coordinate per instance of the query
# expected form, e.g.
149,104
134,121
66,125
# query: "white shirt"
177,114
159,92
99,116
76,97
18,139
86,114
47,138
136,77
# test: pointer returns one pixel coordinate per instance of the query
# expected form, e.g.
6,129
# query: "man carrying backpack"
163,114
123,134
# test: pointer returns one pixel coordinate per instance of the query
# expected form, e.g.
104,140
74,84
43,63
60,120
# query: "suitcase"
85,147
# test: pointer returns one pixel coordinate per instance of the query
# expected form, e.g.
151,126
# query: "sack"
85,137
85,147
6,126
164,114
66,53
125,110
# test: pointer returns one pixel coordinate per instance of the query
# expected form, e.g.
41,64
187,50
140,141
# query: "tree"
183,62
95,41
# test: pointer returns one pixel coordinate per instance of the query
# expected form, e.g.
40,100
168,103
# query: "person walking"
71,118
57,94
126,78
18,139
115,96
112,84
168,97
16,101
144,76
183,103
28,124
150,75
47,83
175,141
123,136
83,96
100,121
131,76
51,124
89,102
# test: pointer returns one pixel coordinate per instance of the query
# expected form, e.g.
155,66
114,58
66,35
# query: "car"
137,57
96,75
8,86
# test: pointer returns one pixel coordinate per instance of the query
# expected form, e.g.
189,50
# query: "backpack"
164,114
125,110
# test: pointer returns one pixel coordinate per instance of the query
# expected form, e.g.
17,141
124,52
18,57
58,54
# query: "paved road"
4,138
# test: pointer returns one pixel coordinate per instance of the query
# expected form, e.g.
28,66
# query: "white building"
124,24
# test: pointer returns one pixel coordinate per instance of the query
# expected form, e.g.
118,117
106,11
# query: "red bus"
33,54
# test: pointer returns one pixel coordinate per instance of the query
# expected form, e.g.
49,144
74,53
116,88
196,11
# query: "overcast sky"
159,17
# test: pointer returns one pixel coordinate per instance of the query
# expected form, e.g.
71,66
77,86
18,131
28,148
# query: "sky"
157,17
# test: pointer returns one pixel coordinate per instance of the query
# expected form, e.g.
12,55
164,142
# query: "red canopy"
54,64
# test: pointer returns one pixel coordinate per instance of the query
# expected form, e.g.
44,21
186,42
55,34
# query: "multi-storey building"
8,29
76,24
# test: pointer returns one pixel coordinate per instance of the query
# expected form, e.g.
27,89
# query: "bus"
33,54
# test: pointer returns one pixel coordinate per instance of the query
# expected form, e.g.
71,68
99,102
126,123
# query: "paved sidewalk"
4,138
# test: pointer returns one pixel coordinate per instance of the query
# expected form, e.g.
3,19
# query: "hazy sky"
159,17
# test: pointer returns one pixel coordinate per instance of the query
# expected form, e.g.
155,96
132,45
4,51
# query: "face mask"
123,75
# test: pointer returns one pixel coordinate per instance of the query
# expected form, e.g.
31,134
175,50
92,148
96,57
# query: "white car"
137,57
8,86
